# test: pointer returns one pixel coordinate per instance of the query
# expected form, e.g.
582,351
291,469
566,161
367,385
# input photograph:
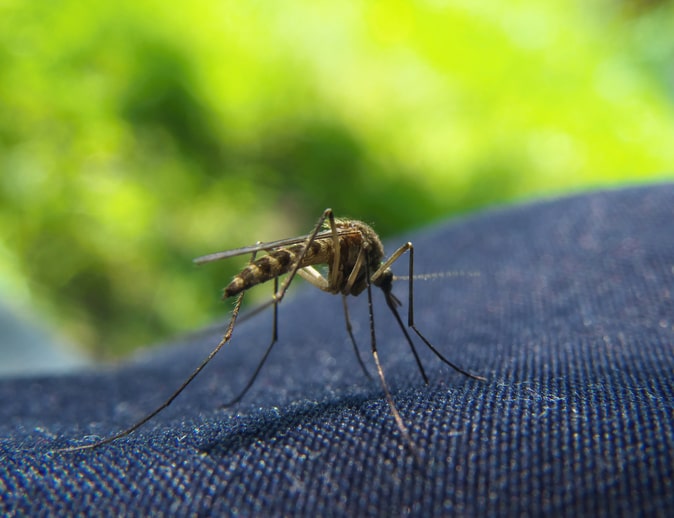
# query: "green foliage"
137,135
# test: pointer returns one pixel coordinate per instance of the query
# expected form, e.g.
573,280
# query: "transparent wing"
217,256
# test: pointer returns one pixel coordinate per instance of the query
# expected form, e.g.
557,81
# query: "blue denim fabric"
571,318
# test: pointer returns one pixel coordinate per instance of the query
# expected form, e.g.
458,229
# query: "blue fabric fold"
565,305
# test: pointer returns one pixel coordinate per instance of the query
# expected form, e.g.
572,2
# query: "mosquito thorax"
352,245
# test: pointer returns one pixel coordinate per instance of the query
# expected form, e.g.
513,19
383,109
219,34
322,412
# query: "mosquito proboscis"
355,261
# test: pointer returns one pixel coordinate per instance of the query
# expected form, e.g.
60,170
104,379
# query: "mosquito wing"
217,256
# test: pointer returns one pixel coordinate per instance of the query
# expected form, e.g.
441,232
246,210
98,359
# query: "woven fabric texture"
566,306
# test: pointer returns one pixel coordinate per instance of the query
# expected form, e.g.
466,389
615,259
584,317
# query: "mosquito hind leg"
274,339
308,273
225,339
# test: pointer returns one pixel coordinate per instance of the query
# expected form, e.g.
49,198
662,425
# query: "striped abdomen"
277,262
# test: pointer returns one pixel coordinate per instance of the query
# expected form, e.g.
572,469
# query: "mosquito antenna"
436,275
225,339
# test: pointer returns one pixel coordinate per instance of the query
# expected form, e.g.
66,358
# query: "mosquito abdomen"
275,263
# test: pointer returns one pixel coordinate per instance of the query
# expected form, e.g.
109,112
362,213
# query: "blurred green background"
136,135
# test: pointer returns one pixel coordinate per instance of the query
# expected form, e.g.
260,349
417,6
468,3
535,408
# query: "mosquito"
355,261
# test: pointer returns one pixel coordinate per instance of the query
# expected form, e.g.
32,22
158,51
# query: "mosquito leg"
225,339
327,213
392,302
387,264
333,279
353,340
314,277
310,274
353,276
410,318
389,398
274,339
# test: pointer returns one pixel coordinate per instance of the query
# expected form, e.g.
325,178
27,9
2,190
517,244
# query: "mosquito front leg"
392,301
410,311
387,264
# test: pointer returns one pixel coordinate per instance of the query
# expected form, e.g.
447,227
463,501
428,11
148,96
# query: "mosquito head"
385,282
